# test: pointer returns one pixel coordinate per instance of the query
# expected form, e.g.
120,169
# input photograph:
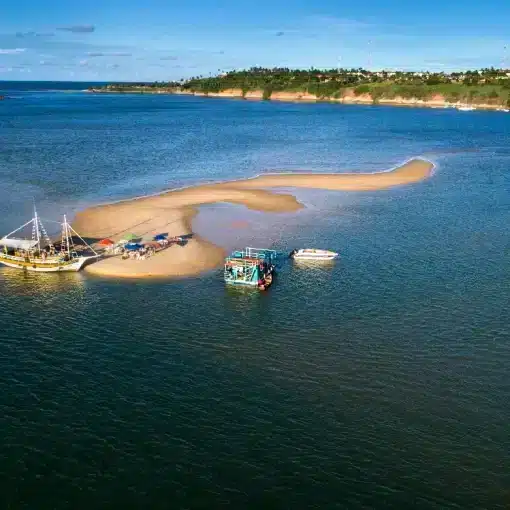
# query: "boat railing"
245,277
255,253
262,253
241,268
38,260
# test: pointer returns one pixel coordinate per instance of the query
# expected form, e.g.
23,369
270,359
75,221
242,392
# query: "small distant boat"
313,254
466,108
38,253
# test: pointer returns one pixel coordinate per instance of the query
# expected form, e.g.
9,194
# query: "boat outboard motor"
292,253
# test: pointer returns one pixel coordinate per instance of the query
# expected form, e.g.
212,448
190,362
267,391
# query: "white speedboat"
313,254
466,108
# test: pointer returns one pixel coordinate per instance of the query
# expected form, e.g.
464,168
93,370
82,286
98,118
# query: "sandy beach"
173,212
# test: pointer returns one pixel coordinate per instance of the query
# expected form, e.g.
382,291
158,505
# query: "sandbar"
173,212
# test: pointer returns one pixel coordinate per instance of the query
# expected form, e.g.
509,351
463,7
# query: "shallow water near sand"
379,381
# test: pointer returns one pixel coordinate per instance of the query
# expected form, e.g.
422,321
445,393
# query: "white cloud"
108,54
11,51
78,29
34,34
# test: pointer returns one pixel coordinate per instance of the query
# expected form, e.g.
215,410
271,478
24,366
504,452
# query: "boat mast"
18,229
72,231
66,234
36,231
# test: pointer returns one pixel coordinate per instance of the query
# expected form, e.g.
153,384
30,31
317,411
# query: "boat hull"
44,267
312,255
315,259
241,283
268,280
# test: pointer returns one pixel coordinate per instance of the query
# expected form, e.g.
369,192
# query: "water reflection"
26,283
315,266
309,273
242,295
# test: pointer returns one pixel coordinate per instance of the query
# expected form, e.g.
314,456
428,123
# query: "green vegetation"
490,86
130,88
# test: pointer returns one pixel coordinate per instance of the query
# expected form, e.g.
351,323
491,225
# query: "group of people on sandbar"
142,253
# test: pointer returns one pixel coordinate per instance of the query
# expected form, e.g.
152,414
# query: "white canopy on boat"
18,244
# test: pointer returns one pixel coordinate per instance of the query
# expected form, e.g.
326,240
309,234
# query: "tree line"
488,84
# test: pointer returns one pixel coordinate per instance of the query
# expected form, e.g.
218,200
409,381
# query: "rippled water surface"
379,381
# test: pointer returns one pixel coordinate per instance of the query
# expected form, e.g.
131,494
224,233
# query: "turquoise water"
377,382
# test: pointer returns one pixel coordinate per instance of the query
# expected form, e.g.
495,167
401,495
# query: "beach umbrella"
130,237
133,246
160,237
105,242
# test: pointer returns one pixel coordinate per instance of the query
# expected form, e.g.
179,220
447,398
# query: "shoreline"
173,211
436,102
264,174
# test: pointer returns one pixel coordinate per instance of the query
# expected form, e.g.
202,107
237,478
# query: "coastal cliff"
348,97
486,88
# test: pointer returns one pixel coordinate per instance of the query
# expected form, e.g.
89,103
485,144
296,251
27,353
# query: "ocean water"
380,381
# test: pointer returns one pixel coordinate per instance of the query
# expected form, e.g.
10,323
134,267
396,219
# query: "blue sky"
114,40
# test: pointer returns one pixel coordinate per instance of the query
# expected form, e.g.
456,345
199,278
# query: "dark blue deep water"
381,381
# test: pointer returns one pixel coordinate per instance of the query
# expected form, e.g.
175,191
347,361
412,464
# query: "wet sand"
173,212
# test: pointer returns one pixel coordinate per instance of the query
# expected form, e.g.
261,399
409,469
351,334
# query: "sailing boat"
39,254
